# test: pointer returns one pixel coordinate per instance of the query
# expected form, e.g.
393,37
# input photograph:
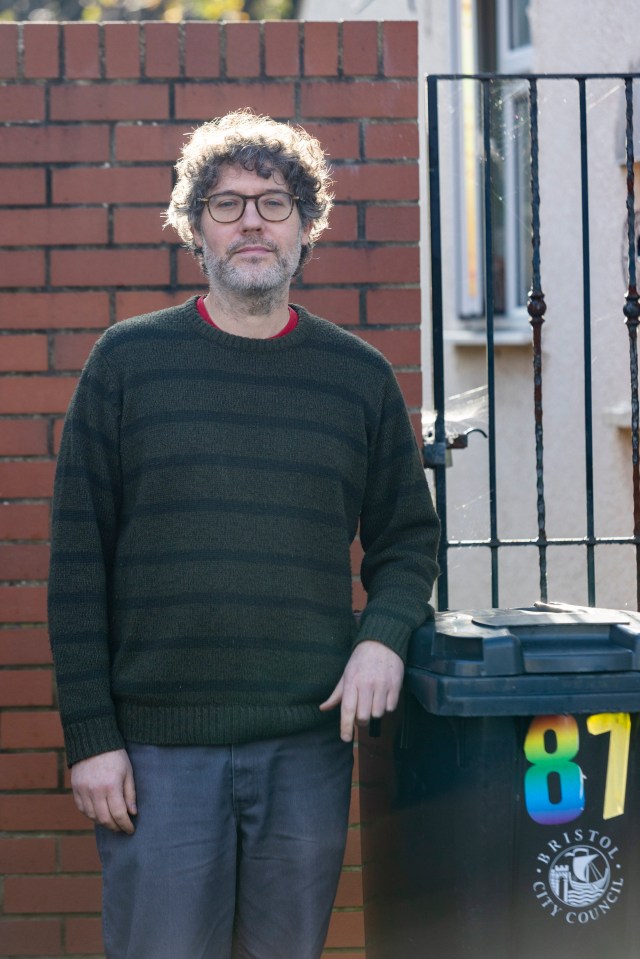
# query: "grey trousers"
237,850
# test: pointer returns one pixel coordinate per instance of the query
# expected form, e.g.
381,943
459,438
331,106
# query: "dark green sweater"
208,489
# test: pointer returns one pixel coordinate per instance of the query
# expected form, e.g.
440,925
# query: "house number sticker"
554,783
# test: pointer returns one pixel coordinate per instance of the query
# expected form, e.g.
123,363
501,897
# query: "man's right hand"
104,790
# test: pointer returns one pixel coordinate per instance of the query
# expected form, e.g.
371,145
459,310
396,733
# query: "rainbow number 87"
554,783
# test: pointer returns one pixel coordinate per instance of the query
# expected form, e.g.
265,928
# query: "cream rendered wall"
568,37
572,36
358,9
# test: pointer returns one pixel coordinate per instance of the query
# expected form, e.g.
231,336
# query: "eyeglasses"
273,206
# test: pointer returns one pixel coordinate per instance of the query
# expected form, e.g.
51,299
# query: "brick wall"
92,119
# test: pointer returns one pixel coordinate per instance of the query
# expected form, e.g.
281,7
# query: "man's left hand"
369,687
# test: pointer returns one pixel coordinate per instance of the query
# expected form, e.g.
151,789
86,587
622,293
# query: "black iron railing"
441,441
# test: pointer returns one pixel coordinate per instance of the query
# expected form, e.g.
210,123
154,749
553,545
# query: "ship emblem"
579,876
578,881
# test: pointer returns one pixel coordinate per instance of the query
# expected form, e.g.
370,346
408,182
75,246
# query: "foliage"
170,10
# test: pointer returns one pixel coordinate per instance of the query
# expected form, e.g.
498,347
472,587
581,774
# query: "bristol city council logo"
579,878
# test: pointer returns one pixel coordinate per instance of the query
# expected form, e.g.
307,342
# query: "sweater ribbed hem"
215,725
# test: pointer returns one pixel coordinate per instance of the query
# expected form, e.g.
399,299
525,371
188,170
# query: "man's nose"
251,219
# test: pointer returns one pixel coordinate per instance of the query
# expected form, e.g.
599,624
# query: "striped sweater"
208,489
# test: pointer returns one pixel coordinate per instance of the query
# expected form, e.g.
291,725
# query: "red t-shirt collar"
291,324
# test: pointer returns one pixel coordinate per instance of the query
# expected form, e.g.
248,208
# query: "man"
216,462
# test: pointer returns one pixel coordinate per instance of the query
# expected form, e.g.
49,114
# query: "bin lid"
548,657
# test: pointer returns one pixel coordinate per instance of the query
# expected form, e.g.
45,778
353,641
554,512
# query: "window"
493,37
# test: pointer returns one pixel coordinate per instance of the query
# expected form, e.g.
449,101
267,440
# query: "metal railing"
436,450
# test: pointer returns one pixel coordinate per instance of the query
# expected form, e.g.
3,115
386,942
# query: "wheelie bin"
500,804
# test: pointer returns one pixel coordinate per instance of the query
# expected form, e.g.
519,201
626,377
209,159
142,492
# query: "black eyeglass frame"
256,197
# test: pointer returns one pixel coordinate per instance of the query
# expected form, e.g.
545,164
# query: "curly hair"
261,145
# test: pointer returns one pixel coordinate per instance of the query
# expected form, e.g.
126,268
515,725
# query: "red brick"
282,48
78,854
354,807
18,103
369,265
34,394
24,647
141,225
28,771
393,306
24,521
339,140
393,223
359,48
30,730
162,49
357,554
41,56
111,185
24,812
142,101
22,267
84,936
39,311
54,144
411,386
81,51
58,425
22,562
140,142
359,98
22,438
136,303
26,479
343,225
345,929
8,50
377,181
320,49
25,855
340,306
243,49
400,48
31,937
27,352
393,141
352,854
189,273
52,894
23,604
25,687
202,49
22,187
349,889
201,102
122,51
52,227
358,596
109,267
70,350
416,421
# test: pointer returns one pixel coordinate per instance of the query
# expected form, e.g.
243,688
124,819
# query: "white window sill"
619,416
502,336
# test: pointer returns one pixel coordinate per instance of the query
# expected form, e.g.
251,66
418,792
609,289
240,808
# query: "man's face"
252,256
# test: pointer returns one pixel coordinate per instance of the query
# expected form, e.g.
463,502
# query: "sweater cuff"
382,629
98,735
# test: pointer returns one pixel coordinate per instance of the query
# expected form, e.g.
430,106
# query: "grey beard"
259,293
